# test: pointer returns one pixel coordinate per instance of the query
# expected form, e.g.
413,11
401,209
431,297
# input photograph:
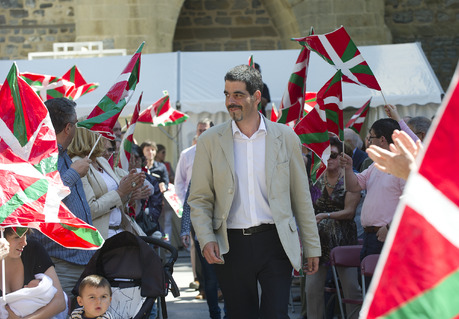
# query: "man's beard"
234,116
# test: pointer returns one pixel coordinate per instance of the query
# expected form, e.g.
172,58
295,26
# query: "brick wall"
434,23
34,25
225,25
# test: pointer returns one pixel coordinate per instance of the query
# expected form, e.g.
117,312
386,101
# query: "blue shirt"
77,204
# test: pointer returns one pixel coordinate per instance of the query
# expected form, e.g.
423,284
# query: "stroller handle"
158,242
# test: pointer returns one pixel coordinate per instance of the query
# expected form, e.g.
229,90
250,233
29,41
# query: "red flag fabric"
48,86
31,189
106,113
330,100
274,113
292,103
161,113
338,49
81,86
128,138
357,120
418,272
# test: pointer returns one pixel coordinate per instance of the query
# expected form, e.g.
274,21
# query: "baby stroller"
136,273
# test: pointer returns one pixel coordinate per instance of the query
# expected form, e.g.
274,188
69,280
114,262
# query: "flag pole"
90,153
385,102
3,270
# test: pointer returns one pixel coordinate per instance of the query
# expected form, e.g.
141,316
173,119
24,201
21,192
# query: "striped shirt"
78,205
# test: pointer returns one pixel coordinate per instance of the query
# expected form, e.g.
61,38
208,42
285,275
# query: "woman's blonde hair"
83,142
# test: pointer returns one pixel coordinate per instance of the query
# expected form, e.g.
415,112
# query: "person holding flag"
69,263
383,190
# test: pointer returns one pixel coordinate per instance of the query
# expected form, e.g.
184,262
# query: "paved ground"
186,306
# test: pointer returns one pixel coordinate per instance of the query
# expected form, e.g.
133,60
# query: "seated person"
24,261
94,296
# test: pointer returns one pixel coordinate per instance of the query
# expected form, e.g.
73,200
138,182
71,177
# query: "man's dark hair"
248,75
61,111
385,127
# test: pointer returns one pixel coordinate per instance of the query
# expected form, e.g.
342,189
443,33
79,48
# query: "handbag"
146,222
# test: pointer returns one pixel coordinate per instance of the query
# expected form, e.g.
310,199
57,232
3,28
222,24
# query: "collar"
261,127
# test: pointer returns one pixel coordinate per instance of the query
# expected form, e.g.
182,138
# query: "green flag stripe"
160,107
333,116
177,121
297,80
360,68
54,93
30,194
47,165
72,74
349,53
19,126
86,234
440,302
311,138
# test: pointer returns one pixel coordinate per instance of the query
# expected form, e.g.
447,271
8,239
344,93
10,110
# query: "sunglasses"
334,155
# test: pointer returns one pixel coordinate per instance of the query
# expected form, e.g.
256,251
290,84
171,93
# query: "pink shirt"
383,193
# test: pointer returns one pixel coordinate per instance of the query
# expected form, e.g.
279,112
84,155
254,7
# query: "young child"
95,296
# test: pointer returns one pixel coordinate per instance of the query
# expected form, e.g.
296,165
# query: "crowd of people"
247,202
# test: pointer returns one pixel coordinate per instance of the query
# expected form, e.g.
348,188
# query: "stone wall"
434,23
225,25
34,25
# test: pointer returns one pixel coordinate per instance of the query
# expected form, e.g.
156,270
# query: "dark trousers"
255,258
210,285
371,246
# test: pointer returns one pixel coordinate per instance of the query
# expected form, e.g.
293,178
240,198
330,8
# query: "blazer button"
230,191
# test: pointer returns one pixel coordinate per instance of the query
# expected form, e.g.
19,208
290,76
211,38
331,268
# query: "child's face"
95,301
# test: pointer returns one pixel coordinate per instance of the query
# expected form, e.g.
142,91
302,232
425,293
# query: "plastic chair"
367,268
345,256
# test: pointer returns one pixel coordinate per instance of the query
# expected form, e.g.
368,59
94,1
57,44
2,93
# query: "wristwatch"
328,215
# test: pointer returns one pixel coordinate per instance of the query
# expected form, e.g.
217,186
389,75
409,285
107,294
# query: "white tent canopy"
195,79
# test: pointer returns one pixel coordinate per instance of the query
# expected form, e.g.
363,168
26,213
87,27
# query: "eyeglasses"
74,123
111,149
334,155
370,137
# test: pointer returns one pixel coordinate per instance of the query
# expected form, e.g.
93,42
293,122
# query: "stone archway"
126,23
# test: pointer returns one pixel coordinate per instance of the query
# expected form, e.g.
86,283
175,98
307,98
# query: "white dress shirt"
250,206
183,171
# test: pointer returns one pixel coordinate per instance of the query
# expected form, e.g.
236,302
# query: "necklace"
328,184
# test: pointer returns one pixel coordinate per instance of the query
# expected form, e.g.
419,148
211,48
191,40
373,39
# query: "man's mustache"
234,106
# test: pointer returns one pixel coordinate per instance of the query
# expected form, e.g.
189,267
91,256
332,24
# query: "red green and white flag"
292,103
313,133
81,86
418,272
330,100
161,113
310,102
106,113
274,113
48,86
338,49
128,138
251,63
357,120
31,189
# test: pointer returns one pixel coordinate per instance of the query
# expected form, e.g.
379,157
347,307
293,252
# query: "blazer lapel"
272,148
226,143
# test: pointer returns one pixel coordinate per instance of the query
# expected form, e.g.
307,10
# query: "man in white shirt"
185,163
249,193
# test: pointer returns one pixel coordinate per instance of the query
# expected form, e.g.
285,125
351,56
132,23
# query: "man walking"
249,192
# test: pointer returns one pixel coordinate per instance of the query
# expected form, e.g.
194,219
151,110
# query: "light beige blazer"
213,184
100,200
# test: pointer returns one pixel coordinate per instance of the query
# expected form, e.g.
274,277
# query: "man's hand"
141,193
345,161
311,266
81,166
402,158
391,111
185,240
211,253
382,233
